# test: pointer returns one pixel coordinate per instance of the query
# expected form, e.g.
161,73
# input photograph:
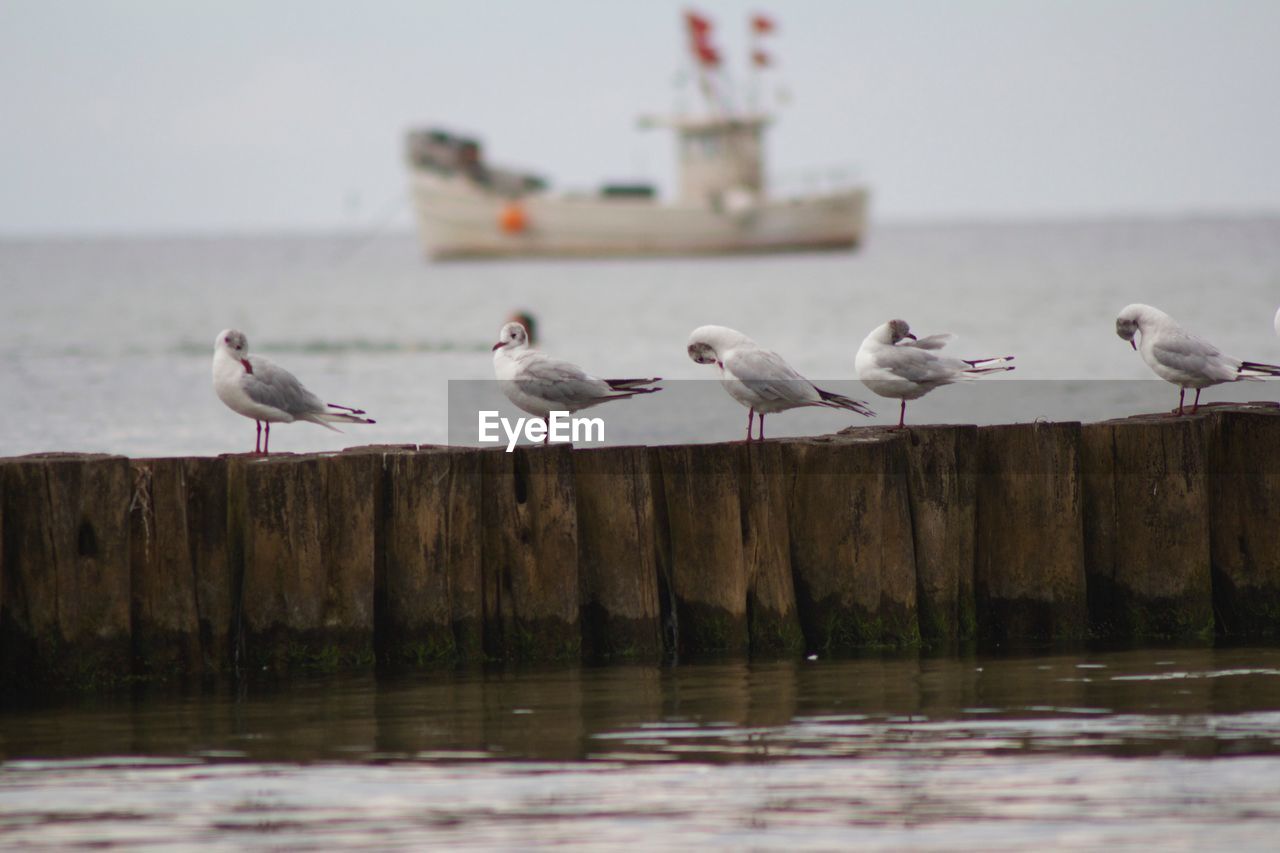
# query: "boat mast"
706,59
720,151
759,59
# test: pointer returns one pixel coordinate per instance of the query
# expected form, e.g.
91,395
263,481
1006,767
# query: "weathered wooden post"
182,589
773,623
429,599
1146,527
3,626
530,553
307,594
64,609
852,553
706,570
943,494
1244,512
617,556
1029,578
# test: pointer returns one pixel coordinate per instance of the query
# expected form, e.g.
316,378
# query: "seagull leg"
1182,393
751,419
257,444
762,426
902,414
1196,404
546,439
266,441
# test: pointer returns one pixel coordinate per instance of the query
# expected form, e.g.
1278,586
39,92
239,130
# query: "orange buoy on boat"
512,218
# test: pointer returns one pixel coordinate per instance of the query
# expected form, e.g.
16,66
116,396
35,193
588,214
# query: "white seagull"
259,388
540,384
892,362
1177,356
759,379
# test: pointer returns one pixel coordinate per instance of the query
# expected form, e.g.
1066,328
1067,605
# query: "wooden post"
182,590
429,599
943,508
851,546
1146,527
773,623
64,610
307,597
617,557
707,571
1244,512
1029,578
530,553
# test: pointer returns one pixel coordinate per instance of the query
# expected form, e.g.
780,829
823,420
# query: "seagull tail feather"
325,419
839,401
983,362
631,392
1256,368
980,371
628,384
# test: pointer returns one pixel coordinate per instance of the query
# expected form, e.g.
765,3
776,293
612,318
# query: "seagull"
759,379
892,362
1177,356
259,388
539,384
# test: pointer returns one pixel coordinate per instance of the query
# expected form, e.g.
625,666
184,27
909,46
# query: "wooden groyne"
1152,527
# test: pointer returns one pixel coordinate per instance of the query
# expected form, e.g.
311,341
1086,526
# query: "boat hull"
457,219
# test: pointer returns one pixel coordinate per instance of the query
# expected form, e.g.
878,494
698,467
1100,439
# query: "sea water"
105,345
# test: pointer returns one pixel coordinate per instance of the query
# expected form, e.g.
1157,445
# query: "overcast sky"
142,115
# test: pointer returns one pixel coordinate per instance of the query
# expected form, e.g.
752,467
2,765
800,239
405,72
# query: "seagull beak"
1133,344
499,345
909,335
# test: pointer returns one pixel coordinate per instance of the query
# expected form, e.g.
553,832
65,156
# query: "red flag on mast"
700,40
698,25
761,24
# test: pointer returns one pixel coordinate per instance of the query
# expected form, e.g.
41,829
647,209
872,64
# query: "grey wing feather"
1182,341
272,385
930,342
766,373
560,381
916,365
1186,352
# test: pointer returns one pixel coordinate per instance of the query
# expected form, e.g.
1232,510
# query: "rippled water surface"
1138,749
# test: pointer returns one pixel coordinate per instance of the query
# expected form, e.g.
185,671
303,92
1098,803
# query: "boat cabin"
720,157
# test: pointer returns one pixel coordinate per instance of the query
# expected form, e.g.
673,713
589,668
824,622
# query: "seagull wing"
271,385
916,365
1182,351
559,382
767,375
930,342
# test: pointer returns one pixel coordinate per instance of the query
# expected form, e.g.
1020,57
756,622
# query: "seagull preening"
759,379
892,362
539,384
259,388
1177,356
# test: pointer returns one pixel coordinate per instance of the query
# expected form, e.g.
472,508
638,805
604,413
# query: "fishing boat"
468,208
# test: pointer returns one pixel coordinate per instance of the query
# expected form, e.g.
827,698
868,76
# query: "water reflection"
885,751
1198,697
